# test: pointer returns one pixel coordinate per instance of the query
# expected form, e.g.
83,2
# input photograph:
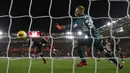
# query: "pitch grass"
60,66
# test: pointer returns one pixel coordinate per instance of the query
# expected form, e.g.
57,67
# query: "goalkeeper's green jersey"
83,23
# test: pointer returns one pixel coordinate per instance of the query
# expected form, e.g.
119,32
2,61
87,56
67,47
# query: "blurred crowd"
64,48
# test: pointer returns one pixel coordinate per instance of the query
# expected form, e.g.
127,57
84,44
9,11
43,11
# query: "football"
21,35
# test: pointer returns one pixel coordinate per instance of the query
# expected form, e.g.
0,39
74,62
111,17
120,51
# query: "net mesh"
50,30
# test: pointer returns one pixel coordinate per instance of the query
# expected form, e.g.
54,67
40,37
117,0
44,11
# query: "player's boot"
81,64
44,61
120,66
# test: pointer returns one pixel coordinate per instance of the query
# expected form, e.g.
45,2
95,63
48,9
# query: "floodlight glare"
1,32
68,32
113,21
86,36
69,37
108,23
121,29
79,33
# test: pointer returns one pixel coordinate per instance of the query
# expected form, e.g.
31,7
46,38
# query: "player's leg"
110,52
118,49
113,59
33,56
35,53
121,56
80,53
55,52
39,50
98,55
99,46
43,59
81,50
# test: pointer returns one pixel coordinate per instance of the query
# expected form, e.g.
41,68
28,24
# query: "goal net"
39,18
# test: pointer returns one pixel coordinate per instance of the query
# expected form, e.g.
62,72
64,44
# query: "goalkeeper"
85,23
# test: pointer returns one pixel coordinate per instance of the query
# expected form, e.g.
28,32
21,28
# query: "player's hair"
81,8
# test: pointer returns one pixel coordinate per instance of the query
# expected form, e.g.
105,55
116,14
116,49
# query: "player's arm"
60,27
75,24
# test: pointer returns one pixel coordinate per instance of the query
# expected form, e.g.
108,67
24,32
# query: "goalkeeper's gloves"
60,27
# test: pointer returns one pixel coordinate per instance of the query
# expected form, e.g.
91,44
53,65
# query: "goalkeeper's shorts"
89,42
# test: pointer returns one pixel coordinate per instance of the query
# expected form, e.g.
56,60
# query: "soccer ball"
21,35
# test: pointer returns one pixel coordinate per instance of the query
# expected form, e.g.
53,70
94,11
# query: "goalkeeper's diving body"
85,24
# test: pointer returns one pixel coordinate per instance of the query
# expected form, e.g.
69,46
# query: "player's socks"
98,58
83,59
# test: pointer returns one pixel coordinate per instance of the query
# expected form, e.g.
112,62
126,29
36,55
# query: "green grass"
60,66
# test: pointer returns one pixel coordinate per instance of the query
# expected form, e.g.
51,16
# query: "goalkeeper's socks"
83,60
